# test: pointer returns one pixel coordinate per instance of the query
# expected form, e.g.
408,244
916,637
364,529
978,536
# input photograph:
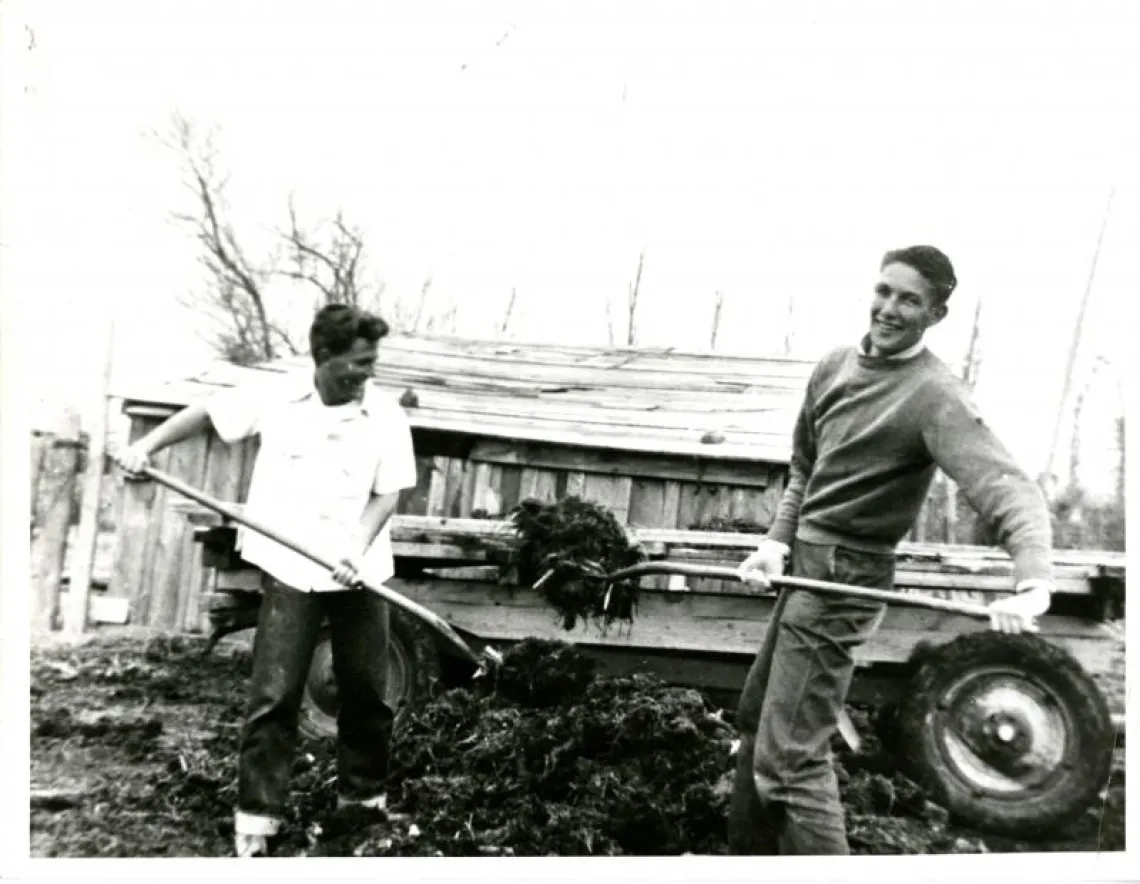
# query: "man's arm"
396,472
769,558
234,414
377,512
188,422
1006,498
967,450
783,529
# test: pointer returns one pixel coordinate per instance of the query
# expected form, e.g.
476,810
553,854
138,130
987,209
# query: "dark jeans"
785,797
287,632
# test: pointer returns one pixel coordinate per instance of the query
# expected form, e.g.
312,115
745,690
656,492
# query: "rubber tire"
1089,756
408,638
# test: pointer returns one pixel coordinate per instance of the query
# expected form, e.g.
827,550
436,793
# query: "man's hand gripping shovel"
484,661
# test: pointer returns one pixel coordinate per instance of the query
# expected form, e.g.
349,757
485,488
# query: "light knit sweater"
868,438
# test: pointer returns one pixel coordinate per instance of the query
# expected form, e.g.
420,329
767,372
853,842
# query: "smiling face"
341,377
905,305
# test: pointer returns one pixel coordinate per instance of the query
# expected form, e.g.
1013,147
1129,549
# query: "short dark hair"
336,326
934,266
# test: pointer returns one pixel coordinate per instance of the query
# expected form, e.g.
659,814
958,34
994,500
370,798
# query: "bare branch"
330,259
634,291
422,304
508,313
718,304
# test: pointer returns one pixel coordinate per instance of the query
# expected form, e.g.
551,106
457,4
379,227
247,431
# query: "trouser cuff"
376,802
256,824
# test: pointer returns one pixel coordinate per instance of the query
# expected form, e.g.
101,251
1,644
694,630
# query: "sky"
768,151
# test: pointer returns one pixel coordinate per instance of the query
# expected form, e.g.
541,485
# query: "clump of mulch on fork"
564,551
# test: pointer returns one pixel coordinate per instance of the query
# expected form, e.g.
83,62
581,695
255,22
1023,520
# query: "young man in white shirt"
334,457
876,421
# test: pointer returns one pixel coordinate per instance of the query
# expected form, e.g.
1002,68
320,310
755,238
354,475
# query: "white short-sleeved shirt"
316,469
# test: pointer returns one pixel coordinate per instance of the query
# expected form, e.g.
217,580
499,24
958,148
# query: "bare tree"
634,292
331,260
973,351
718,305
789,325
508,313
247,321
243,329
609,321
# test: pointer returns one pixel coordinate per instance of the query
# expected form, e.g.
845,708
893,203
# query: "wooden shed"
664,439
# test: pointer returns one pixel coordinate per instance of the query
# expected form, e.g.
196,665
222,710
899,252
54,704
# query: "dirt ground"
133,754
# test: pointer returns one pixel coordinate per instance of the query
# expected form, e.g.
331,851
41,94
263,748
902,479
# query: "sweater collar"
903,356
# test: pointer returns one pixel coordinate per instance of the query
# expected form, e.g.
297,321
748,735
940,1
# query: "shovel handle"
435,622
724,572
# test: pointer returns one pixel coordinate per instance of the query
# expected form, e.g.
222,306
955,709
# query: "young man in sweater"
334,457
876,421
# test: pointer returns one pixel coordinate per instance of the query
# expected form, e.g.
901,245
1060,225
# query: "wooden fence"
58,462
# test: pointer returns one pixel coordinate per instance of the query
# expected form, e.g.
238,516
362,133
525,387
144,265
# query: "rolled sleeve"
397,468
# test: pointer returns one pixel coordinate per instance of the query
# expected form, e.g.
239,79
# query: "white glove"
764,564
1018,612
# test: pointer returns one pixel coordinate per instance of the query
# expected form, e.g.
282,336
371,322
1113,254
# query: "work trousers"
287,633
785,796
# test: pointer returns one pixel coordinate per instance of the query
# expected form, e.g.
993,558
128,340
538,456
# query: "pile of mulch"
543,756
564,550
549,758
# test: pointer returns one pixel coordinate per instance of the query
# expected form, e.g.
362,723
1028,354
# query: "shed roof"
646,400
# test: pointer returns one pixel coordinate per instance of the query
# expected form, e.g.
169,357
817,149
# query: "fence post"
53,508
83,560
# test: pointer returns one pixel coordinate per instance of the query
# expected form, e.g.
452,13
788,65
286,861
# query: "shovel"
723,572
440,626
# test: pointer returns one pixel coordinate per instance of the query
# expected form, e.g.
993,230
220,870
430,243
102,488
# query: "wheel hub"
1003,732
322,688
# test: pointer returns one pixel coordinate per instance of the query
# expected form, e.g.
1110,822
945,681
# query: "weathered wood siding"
158,567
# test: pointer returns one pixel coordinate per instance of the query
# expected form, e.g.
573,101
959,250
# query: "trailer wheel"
1007,732
413,673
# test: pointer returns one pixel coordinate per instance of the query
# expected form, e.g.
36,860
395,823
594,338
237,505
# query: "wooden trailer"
678,446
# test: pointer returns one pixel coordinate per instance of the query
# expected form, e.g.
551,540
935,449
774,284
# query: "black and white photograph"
542,433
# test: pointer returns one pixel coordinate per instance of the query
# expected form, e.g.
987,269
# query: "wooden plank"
749,446
169,567
484,496
528,483
510,481
467,496
454,484
102,608
414,501
575,483
436,503
546,489
53,510
725,548
222,479
612,492
131,519
149,551
664,622
249,451
192,573
39,447
620,463
646,503
648,509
